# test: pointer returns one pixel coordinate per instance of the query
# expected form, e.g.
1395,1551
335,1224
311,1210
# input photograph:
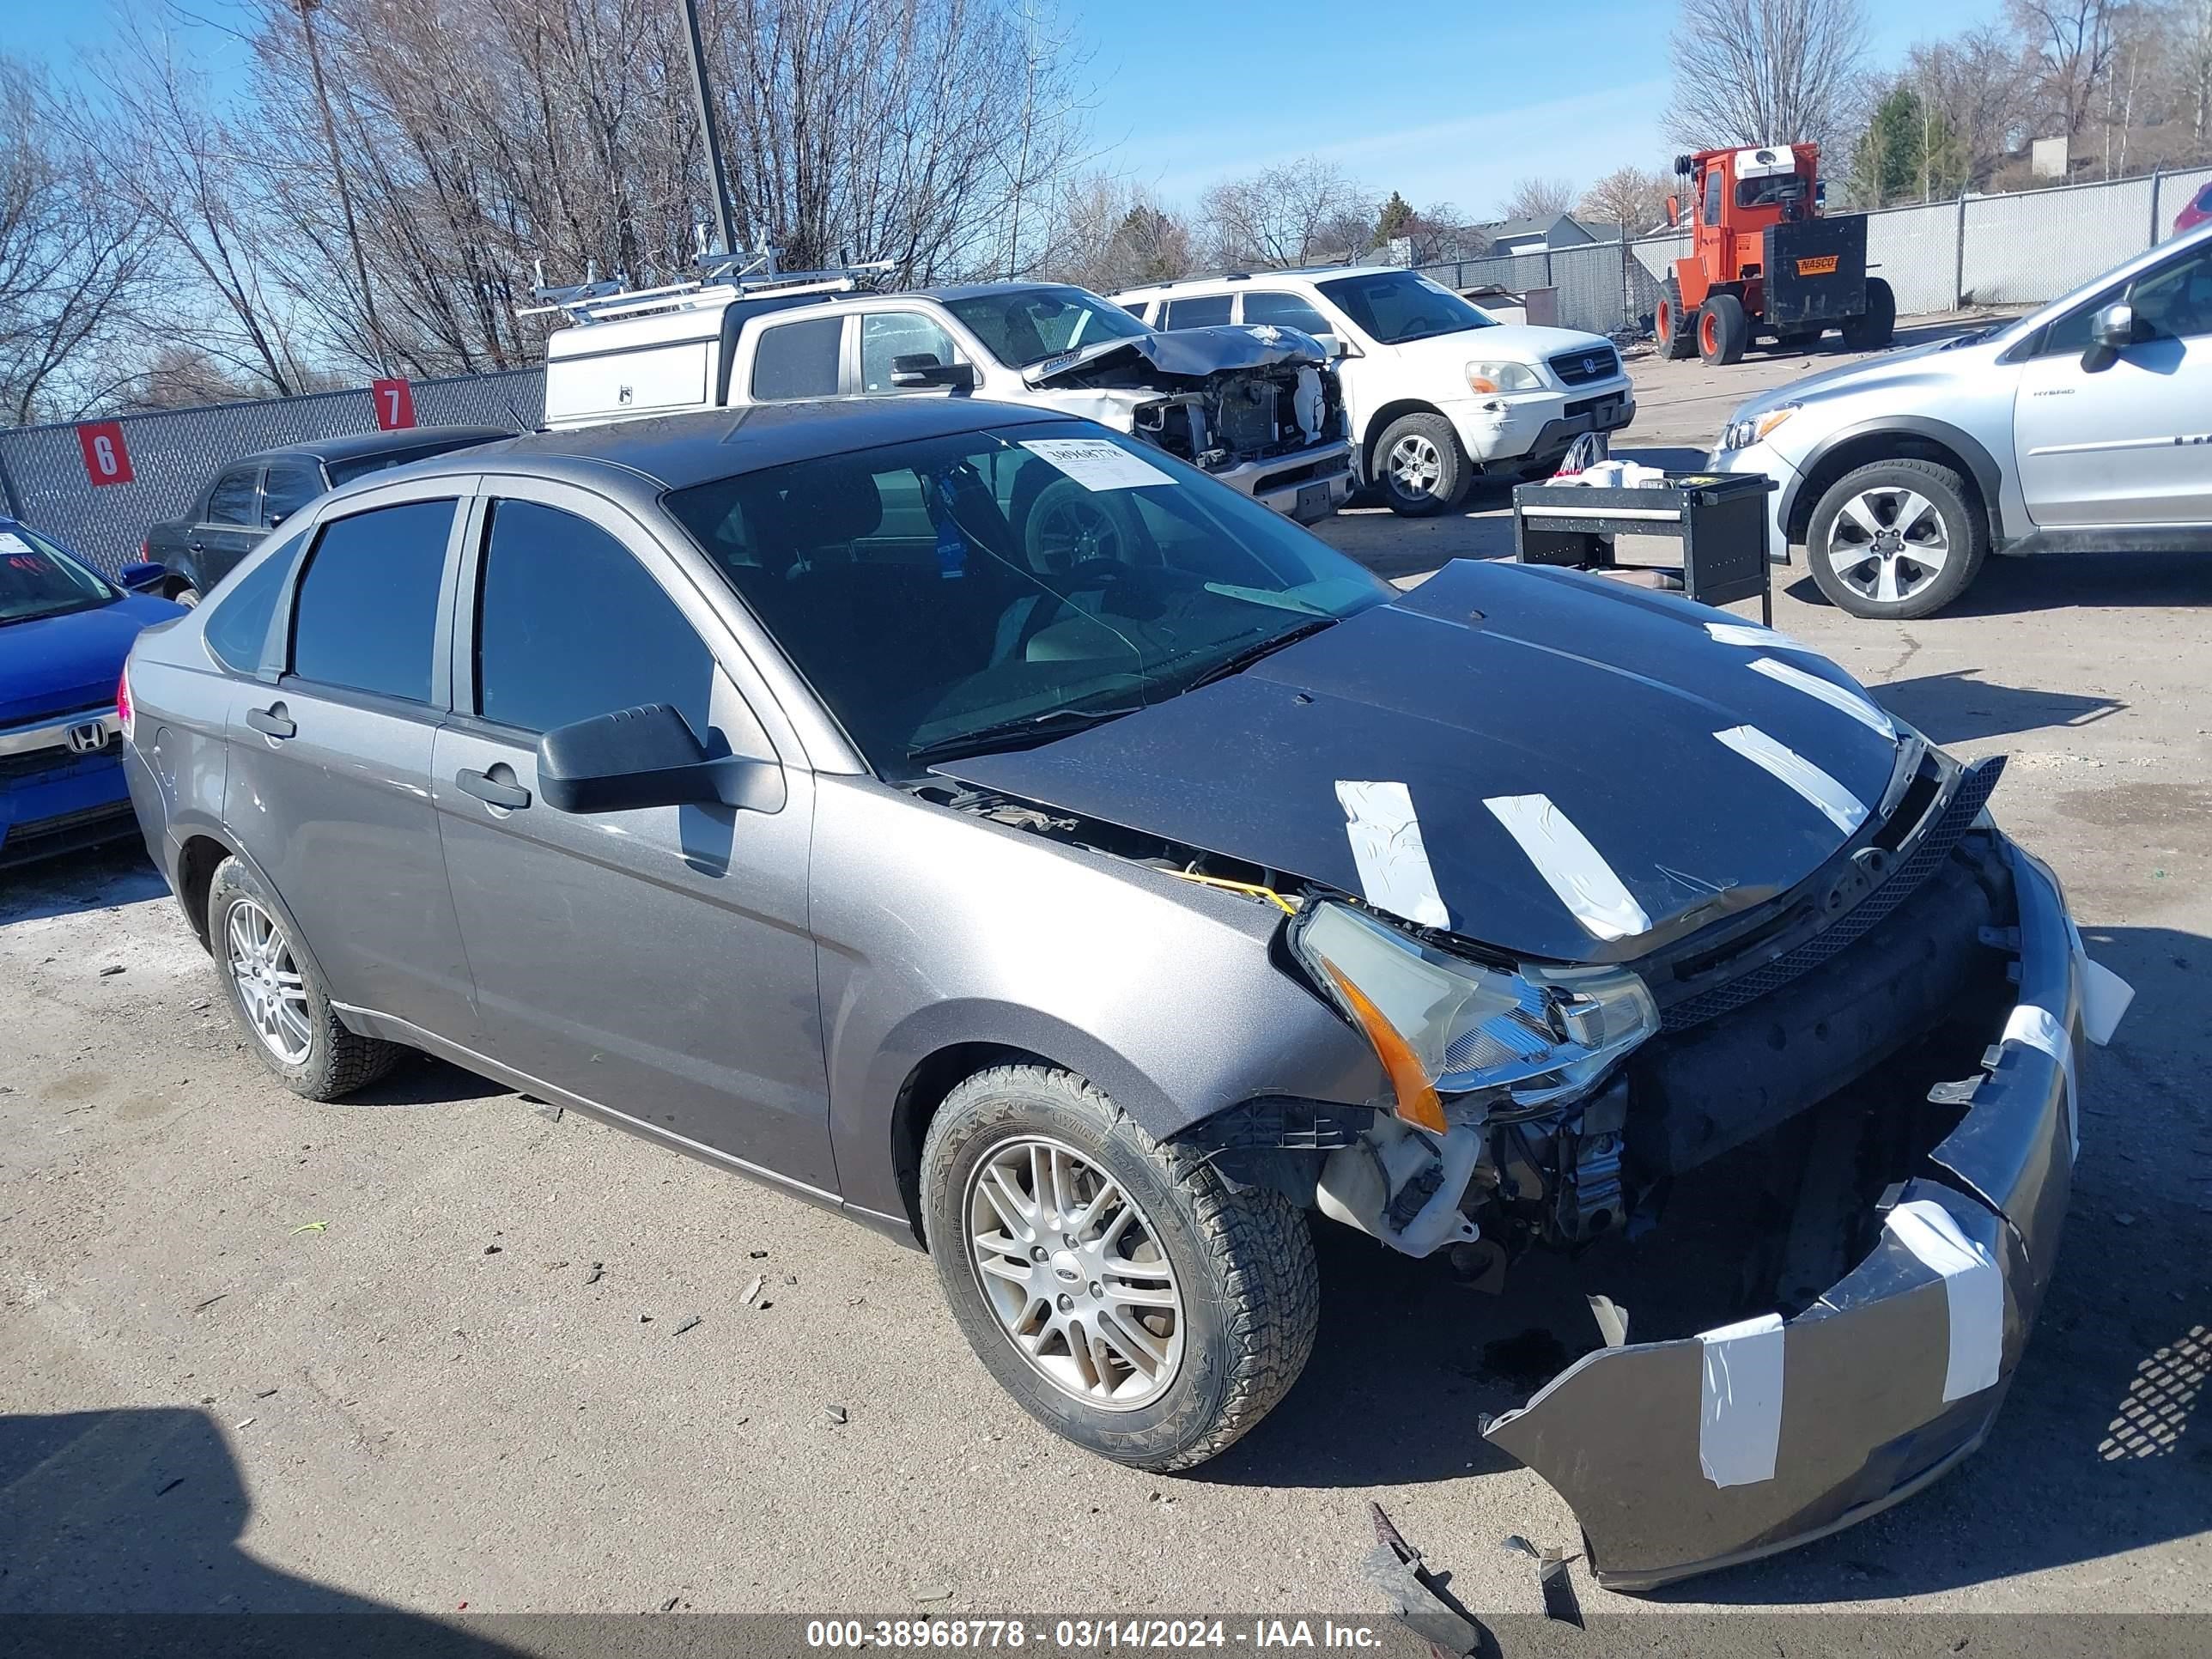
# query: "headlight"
1502,377
1443,1025
1742,434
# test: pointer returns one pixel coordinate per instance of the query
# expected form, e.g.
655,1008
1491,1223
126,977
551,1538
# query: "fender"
1988,475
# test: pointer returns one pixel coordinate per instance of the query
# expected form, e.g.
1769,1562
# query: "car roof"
976,290
676,451
1246,278
355,445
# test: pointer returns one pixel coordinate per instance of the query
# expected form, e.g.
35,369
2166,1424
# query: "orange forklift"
1766,262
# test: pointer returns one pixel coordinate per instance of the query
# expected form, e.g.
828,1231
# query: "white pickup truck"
1259,409
1437,391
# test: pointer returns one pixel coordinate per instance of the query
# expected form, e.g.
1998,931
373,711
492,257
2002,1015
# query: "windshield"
1394,307
1025,326
37,579
1026,580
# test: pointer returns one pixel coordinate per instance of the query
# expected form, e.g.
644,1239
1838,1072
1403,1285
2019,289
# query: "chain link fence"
173,453
2020,249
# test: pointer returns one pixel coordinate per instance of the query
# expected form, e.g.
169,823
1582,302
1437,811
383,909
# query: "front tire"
277,997
1113,1285
1723,329
1897,540
1421,467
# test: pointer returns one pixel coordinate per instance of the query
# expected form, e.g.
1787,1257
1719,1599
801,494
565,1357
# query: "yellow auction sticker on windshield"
1096,464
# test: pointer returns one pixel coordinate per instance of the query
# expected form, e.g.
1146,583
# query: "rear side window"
570,625
291,485
238,613
1207,311
798,359
367,613
231,500
1286,311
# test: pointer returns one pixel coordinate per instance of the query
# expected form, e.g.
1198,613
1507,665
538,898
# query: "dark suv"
256,493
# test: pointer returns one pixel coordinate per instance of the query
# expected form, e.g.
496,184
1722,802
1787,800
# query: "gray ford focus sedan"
985,824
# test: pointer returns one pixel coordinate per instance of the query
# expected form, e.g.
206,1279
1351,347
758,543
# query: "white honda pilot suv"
1437,390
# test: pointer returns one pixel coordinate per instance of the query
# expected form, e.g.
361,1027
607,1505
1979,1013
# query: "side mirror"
2113,328
921,368
278,518
1673,210
142,577
647,756
1335,347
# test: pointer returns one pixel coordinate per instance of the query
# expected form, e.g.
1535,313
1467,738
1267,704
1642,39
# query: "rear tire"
1878,531
184,595
1723,329
306,1048
1242,1294
1674,341
1420,467
1876,327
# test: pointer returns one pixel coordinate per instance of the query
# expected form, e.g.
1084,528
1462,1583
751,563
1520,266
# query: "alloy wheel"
270,988
1416,465
1075,1272
1888,543
1073,530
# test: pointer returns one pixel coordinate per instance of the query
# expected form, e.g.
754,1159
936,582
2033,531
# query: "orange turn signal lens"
1417,1100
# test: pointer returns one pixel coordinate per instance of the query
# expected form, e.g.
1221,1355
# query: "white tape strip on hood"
1844,808
1740,1413
1387,846
1973,1285
1828,692
1753,637
1572,867
2039,1028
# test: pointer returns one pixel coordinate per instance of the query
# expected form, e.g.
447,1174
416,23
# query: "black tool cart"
1720,518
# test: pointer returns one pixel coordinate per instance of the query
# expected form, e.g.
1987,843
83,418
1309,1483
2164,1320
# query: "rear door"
328,787
2124,438
656,962
230,523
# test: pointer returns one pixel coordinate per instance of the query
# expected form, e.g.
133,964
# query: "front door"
2124,437
328,782
656,962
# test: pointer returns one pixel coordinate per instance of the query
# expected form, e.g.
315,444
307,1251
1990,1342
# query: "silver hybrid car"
2083,427
987,825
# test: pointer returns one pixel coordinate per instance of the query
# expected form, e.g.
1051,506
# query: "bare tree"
2073,42
72,261
1979,85
1286,215
1109,234
2195,71
1766,71
1538,198
1630,196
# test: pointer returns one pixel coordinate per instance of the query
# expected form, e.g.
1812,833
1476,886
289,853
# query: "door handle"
195,546
484,787
272,721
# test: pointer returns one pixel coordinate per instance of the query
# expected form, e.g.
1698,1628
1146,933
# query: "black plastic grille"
1598,362
1974,787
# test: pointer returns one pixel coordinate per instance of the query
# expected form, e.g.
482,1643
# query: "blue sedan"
64,632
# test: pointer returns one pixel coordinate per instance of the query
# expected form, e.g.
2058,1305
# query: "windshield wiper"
1019,733
1239,661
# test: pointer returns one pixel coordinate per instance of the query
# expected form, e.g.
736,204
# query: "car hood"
57,664
1520,343
1194,353
1507,751
1938,362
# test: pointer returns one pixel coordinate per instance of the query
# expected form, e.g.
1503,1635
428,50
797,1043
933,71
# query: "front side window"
38,580
1286,311
232,499
1200,311
238,612
888,336
983,589
2175,303
1394,306
291,485
798,359
1025,326
367,619
569,625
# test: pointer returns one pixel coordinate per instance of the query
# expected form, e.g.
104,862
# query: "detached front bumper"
1681,1457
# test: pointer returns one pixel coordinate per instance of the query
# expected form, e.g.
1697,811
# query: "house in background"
1538,235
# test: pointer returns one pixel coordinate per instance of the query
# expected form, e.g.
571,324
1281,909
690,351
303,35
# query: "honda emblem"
87,738
1590,365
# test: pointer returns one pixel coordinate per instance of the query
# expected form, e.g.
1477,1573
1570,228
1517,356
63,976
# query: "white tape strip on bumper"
1844,808
1569,865
1387,846
1827,691
1972,1283
1740,1415
2039,1028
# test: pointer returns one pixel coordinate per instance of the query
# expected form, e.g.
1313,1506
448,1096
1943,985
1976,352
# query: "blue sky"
1444,101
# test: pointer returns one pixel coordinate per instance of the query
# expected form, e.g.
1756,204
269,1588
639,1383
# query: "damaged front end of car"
1260,408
